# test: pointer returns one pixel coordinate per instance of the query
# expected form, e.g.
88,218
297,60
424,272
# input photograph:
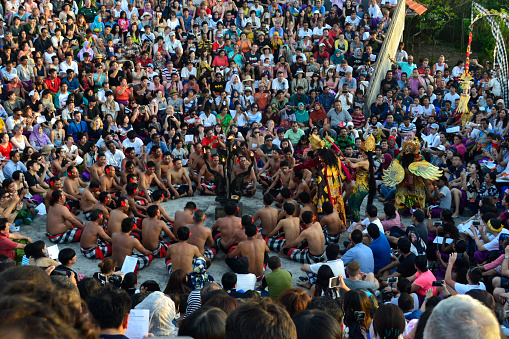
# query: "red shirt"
7,246
53,85
206,141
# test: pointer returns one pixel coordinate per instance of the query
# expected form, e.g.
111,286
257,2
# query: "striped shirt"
404,129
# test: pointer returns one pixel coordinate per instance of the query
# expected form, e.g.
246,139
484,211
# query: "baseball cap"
321,44
441,148
172,33
435,126
150,65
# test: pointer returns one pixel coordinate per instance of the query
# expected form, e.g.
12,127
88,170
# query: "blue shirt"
326,101
381,252
163,146
72,85
362,254
11,167
273,30
74,128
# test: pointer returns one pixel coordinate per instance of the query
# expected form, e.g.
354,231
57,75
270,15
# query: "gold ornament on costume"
394,174
368,145
425,169
412,146
316,142
466,83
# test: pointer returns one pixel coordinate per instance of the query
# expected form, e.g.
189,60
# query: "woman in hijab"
199,276
234,84
356,59
97,26
337,57
86,48
38,139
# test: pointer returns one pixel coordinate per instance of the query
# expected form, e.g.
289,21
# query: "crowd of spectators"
102,100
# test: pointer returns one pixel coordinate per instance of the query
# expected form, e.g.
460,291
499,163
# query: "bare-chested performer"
97,169
282,178
156,155
298,184
206,183
270,168
286,196
240,235
129,168
89,197
139,211
181,255
267,215
72,184
249,184
198,162
151,232
148,178
109,181
179,182
311,240
331,223
197,151
164,166
123,244
290,226
117,215
130,155
55,184
254,254
61,225
224,227
94,242
288,156
307,205
103,201
185,217
157,198
201,236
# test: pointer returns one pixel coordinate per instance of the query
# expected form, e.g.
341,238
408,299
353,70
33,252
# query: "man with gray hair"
462,317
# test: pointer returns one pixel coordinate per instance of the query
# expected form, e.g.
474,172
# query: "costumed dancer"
365,181
409,173
330,174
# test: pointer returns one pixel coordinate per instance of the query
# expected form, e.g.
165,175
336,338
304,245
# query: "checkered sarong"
303,256
276,243
330,239
69,236
210,253
143,261
161,250
103,249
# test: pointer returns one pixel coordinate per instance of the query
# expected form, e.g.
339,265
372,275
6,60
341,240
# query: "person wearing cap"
219,44
173,44
16,87
321,54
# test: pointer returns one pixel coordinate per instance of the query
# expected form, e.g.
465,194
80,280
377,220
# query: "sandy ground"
157,271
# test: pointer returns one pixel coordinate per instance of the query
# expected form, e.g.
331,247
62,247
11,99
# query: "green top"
278,281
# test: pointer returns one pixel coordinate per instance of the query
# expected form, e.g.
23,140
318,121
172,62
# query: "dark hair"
406,302
304,197
331,306
322,282
34,249
332,251
230,208
87,287
152,210
229,280
389,321
373,231
307,217
177,284
268,199
190,206
316,324
127,225
294,299
356,236
475,275
65,255
421,263
183,233
390,210
356,300
274,262
244,322
327,207
109,306
250,230
222,301
204,323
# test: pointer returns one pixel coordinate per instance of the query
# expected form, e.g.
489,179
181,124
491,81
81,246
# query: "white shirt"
172,46
186,72
464,288
303,32
283,85
451,98
353,22
64,67
114,160
209,121
11,123
494,243
337,267
377,222
137,144
375,12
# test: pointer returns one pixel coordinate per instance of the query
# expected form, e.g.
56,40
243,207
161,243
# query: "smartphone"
476,223
333,282
392,280
437,283
437,223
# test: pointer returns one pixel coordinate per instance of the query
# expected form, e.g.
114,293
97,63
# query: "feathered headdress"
368,145
412,146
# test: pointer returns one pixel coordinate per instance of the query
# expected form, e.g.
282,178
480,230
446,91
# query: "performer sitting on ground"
89,197
123,244
185,217
267,215
287,229
207,176
253,252
200,236
224,227
148,178
245,173
312,242
94,242
61,225
151,229
178,181
181,255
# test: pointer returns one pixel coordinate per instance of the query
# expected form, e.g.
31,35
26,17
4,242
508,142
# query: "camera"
437,283
392,280
115,280
387,296
437,223
359,316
